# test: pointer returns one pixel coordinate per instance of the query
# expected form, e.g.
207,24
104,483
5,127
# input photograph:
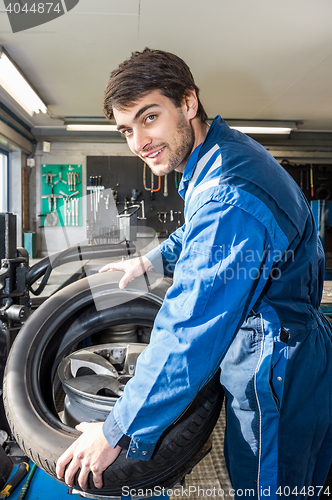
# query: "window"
4,181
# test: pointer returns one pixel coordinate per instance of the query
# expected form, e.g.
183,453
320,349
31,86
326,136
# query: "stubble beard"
181,150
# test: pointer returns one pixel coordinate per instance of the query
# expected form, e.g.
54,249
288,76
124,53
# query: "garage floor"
209,473
327,293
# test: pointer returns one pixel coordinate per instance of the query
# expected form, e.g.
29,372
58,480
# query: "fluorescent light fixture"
18,87
92,128
89,124
262,127
263,130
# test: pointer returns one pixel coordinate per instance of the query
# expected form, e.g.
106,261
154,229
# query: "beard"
179,151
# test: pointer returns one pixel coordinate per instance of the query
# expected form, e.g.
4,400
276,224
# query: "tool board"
61,195
123,177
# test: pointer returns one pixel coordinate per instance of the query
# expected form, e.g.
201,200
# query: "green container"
29,243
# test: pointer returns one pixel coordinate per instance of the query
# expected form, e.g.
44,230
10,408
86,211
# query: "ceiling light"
18,87
92,128
263,130
262,127
89,124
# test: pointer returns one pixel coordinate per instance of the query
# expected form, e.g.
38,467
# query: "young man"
248,273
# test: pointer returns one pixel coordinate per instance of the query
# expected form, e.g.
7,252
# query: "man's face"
158,132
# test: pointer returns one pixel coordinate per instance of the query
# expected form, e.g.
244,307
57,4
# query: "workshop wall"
120,174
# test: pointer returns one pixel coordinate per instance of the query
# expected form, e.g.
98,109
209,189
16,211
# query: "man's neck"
200,130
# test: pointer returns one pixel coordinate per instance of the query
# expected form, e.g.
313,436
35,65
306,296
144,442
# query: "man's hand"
133,268
90,453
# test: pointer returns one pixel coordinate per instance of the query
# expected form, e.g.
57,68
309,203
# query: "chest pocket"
195,275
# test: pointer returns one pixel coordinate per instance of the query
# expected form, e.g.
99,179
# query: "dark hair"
144,72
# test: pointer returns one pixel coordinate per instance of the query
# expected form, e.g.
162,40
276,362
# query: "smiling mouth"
155,154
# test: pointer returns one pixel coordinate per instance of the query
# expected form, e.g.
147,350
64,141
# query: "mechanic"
248,275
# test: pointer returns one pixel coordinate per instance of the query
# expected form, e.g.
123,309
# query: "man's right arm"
167,252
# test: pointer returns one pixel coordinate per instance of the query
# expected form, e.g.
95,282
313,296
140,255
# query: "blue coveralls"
248,275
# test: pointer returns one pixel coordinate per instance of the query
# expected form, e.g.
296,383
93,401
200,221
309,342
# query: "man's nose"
141,141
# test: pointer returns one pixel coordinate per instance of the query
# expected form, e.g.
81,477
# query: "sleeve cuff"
156,258
112,431
136,449
140,450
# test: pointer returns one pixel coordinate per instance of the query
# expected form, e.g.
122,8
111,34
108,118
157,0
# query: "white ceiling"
252,59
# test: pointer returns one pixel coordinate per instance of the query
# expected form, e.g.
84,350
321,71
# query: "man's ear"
191,103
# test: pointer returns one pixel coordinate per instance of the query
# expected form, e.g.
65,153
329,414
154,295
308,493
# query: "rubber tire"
32,364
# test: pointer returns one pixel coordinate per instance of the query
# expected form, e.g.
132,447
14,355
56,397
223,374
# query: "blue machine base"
45,487
42,486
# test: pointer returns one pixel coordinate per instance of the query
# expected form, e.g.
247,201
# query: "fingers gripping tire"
51,333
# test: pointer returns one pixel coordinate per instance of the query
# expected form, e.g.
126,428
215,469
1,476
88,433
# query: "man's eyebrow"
138,114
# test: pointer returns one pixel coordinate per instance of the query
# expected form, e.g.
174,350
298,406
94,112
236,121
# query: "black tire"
59,324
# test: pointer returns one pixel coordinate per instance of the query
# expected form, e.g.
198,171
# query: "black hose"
42,285
85,252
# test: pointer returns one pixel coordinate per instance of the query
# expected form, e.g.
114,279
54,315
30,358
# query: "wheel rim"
94,378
